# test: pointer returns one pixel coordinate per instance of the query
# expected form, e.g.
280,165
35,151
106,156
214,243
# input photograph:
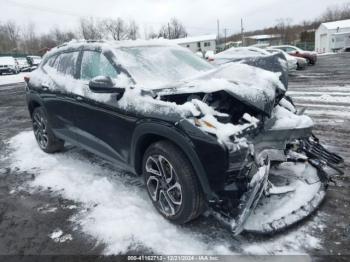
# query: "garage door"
323,43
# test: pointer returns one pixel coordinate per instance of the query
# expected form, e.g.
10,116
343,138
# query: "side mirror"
104,84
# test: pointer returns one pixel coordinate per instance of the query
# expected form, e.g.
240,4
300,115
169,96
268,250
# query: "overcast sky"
198,16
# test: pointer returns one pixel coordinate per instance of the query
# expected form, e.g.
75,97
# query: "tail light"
26,79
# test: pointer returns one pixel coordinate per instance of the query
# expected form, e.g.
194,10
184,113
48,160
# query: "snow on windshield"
152,66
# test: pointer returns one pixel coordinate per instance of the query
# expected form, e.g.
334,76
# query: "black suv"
206,142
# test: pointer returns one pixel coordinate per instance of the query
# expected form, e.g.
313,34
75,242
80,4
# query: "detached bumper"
282,208
288,186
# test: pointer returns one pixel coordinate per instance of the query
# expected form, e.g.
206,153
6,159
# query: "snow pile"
133,100
58,236
285,119
288,105
117,213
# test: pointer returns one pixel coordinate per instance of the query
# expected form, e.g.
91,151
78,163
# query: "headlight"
203,123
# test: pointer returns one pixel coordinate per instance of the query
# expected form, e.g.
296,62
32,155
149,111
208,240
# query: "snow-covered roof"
193,39
336,24
259,37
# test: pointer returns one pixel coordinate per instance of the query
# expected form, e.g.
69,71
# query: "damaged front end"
282,180
277,171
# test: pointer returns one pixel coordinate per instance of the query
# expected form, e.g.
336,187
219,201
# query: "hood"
252,86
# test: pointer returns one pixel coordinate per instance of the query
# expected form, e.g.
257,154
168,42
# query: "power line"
79,15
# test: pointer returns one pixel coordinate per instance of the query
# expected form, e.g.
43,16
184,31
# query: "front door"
101,125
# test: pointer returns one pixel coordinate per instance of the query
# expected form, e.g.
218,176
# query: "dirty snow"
120,215
58,236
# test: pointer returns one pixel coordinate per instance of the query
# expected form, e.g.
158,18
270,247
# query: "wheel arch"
32,104
148,133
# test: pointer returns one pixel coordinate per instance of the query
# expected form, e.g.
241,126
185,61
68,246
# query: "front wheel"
46,139
172,183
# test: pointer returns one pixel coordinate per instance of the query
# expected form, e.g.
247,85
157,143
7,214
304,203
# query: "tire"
47,141
177,197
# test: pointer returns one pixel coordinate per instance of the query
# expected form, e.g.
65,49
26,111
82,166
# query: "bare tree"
13,32
133,30
91,29
30,41
174,29
336,12
59,36
116,28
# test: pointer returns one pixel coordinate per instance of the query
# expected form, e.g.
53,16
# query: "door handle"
79,98
44,87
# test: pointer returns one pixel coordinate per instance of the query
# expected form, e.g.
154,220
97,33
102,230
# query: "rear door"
58,93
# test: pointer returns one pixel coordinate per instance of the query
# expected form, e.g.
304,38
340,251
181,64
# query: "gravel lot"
29,217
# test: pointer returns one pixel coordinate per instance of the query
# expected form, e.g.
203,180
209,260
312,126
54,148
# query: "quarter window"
96,64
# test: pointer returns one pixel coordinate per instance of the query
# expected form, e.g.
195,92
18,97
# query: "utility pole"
168,31
242,32
225,32
218,36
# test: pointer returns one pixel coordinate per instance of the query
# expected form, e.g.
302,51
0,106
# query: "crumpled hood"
253,86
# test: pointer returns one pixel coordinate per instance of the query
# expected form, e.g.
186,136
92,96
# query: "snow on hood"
251,85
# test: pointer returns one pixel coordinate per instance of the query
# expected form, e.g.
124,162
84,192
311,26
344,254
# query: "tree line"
304,31
15,39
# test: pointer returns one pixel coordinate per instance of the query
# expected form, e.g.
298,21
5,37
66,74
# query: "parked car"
209,55
257,57
235,54
223,139
294,62
311,57
23,64
291,61
34,61
8,65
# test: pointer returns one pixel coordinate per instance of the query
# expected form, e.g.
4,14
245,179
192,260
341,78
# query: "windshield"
152,66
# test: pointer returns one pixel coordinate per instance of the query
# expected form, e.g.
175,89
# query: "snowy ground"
10,79
76,203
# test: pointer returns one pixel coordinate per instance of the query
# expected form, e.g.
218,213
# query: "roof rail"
81,41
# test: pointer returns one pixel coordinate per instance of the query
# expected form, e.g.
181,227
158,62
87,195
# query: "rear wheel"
172,183
47,141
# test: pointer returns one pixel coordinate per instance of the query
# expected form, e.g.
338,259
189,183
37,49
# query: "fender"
33,100
170,132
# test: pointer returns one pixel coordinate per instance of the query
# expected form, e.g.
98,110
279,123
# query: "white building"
332,36
198,43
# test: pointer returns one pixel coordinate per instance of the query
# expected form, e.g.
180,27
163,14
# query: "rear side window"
96,64
66,63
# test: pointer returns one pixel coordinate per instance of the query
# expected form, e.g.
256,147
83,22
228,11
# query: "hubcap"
162,185
40,130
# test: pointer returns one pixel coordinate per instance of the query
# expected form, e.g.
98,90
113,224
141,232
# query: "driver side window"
96,64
